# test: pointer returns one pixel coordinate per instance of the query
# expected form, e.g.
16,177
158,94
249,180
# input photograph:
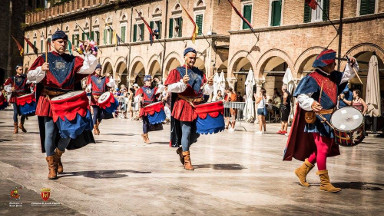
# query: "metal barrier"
239,107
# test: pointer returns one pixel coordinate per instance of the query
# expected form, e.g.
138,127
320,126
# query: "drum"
348,123
210,117
154,112
3,101
108,102
71,113
26,104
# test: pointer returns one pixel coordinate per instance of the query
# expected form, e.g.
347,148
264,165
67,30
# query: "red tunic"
182,110
58,81
149,96
99,86
19,82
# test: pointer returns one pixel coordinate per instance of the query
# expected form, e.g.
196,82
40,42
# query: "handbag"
310,117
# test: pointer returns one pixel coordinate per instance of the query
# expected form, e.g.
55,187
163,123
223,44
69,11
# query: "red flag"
240,15
152,35
312,4
31,45
19,47
195,28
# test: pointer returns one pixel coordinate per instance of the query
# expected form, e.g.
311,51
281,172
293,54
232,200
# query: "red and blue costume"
313,143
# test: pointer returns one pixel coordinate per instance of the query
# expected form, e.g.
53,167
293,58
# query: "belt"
325,111
191,100
52,93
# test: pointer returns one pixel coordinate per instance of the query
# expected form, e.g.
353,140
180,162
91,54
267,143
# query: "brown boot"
187,161
15,128
325,184
21,126
57,158
52,167
179,151
302,172
145,138
95,130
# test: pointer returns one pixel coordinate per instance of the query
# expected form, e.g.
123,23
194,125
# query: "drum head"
347,119
67,95
104,97
26,95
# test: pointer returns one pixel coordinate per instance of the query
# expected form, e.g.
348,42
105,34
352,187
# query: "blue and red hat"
147,78
325,58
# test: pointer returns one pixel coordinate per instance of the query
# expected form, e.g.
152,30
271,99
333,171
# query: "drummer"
148,95
318,92
62,73
97,85
17,86
188,88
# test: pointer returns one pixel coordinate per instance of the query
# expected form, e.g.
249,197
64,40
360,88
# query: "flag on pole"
152,35
195,27
19,47
31,45
241,16
312,4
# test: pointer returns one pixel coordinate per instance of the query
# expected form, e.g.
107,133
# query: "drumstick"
46,51
321,91
354,70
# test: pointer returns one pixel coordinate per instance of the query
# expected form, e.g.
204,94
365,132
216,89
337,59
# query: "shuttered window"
27,48
134,33
122,34
247,13
367,7
141,26
105,36
158,25
153,30
325,9
170,28
42,45
199,23
179,27
34,44
276,13
307,13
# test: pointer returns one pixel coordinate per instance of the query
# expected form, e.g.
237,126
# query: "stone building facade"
287,35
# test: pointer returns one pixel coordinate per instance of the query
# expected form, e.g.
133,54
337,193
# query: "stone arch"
304,62
177,7
137,73
173,55
107,67
121,72
200,64
155,69
157,10
135,60
270,54
171,64
364,47
199,3
234,62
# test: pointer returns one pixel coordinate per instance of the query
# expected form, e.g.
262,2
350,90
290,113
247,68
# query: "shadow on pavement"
220,166
359,185
121,134
4,140
97,174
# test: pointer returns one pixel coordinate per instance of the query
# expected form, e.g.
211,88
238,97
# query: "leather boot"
302,172
15,128
325,184
95,130
57,157
145,138
21,126
179,151
52,167
187,161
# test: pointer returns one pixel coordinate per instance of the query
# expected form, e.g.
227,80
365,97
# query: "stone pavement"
238,173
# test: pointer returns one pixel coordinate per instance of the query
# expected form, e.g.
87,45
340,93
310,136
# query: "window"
41,45
34,44
318,14
85,36
27,47
75,40
275,12
367,7
122,33
156,28
247,13
95,36
175,27
107,35
138,32
199,23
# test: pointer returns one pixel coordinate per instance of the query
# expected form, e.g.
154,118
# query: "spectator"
285,110
261,97
219,96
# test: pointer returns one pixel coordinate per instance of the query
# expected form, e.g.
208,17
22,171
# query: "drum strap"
52,93
191,100
326,111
